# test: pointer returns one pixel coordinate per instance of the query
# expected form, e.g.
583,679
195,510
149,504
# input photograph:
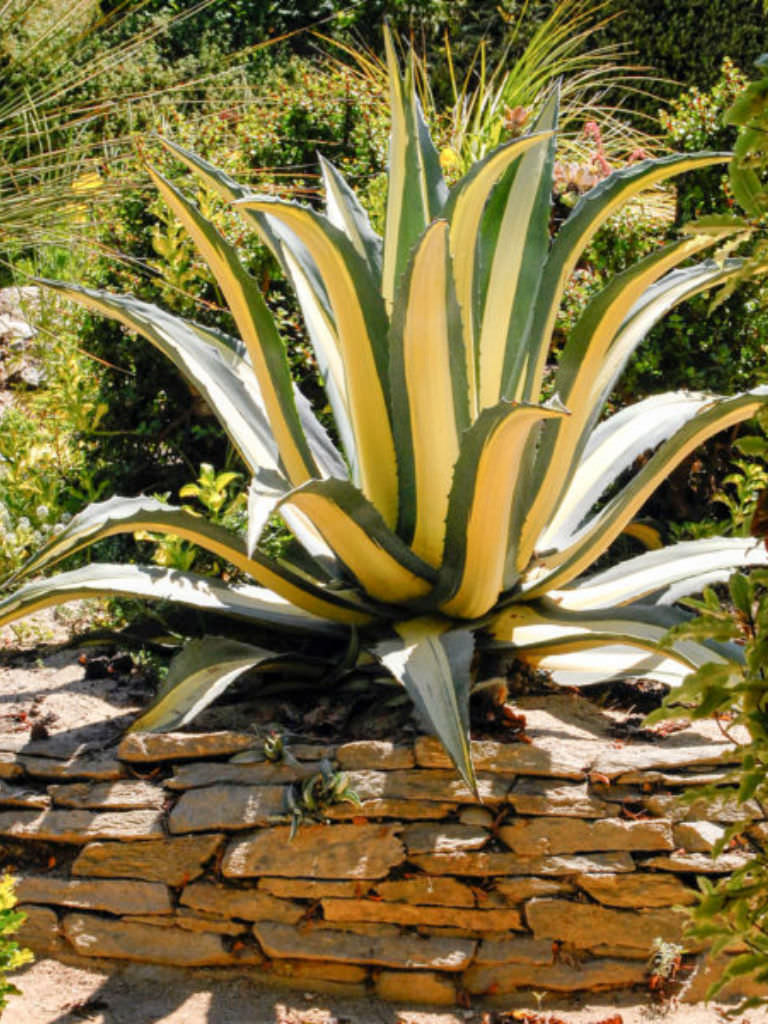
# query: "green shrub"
698,348
12,956
732,911
685,41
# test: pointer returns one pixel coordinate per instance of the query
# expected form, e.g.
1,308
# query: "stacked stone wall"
176,849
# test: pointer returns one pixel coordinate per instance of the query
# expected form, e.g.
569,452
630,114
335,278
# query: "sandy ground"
53,689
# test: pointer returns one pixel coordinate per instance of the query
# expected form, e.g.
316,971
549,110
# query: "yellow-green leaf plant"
465,506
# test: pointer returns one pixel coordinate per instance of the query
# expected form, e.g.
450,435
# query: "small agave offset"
463,508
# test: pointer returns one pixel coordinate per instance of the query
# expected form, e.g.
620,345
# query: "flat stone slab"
440,786
191,922
316,851
674,752
560,977
543,836
103,937
376,911
474,815
398,809
515,890
115,897
226,807
570,800
21,796
172,861
672,780
405,951
309,889
444,838
426,891
81,826
555,760
640,889
141,747
725,809
40,932
518,950
415,987
700,863
120,795
314,971
250,905
381,755
9,766
102,769
193,776
487,864
698,836
587,925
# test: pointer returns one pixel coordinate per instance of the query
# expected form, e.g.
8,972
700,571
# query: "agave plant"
477,485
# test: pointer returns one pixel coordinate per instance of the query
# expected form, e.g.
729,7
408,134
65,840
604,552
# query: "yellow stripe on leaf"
367,402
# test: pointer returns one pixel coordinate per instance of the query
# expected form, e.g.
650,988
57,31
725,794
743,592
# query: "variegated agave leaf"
460,505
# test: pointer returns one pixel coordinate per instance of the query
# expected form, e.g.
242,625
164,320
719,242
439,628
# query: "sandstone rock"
708,970
193,922
194,776
672,780
538,796
374,754
376,929
313,751
640,889
701,863
103,937
440,786
540,836
586,925
227,807
404,951
40,932
316,851
424,890
519,950
484,864
174,746
474,815
312,971
398,809
172,861
443,838
20,796
9,766
81,826
406,914
115,897
248,904
564,760
724,809
590,975
515,890
107,795
677,751
698,836
103,769
308,889
415,987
